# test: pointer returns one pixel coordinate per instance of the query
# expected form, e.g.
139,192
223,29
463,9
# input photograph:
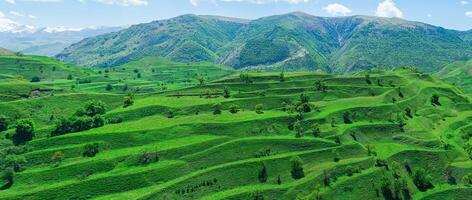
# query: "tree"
337,156
367,79
90,150
297,126
346,118
279,180
217,108
70,77
3,123
128,101
109,87
92,108
8,176
422,180
263,174
170,114
259,108
35,79
57,157
282,77
24,132
315,130
226,92
234,108
435,100
201,80
138,75
297,168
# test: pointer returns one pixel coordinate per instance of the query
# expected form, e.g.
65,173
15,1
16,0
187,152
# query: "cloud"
197,2
464,2
124,2
10,1
337,9
17,14
388,8
469,14
8,25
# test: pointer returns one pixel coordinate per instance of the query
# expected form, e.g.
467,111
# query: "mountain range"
293,41
47,41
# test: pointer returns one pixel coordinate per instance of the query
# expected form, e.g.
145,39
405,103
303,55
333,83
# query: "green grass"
207,156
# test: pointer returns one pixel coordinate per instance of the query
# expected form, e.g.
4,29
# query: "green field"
204,131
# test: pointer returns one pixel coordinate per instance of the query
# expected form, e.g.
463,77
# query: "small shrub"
263,174
259,108
57,157
234,108
217,108
90,150
3,123
422,180
35,79
148,157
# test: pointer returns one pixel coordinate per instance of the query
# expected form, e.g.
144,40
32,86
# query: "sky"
70,14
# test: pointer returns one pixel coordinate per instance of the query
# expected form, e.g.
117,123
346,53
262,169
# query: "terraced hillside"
383,135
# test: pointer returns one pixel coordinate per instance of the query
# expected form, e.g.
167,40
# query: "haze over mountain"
292,41
47,41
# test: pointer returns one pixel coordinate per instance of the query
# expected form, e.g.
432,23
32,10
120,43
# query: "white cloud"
17,14
464,2
337,9
197,2
124,2
10,1
388,8
8,25
429,15
469,14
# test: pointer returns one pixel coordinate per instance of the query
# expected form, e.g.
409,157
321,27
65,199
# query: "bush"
217,108
148,157
259,108
92,108
35,79
24,132
109,87
226,92
234,108
77,124
8,176
90,150
170,114
297,168
128,101
435,100
57,157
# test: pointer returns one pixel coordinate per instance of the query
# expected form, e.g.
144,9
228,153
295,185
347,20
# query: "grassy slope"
196,149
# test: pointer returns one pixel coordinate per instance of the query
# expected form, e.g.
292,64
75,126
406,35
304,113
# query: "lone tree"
234,108
435,100
315,130
109,87
297,126
24,132
201,80
3,123
226,92
35,79
259,108
128,101
217,108
282,77
297,168
367,79
263,174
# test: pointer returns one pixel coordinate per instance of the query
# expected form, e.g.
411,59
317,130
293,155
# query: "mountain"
459,73
47,41
293,41
6,51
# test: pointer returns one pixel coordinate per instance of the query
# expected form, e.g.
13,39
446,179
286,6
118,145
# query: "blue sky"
454,14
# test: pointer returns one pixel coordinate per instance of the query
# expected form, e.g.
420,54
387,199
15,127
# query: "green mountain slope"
458,73
254,135
293,41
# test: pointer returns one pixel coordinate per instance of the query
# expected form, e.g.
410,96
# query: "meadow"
156,129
